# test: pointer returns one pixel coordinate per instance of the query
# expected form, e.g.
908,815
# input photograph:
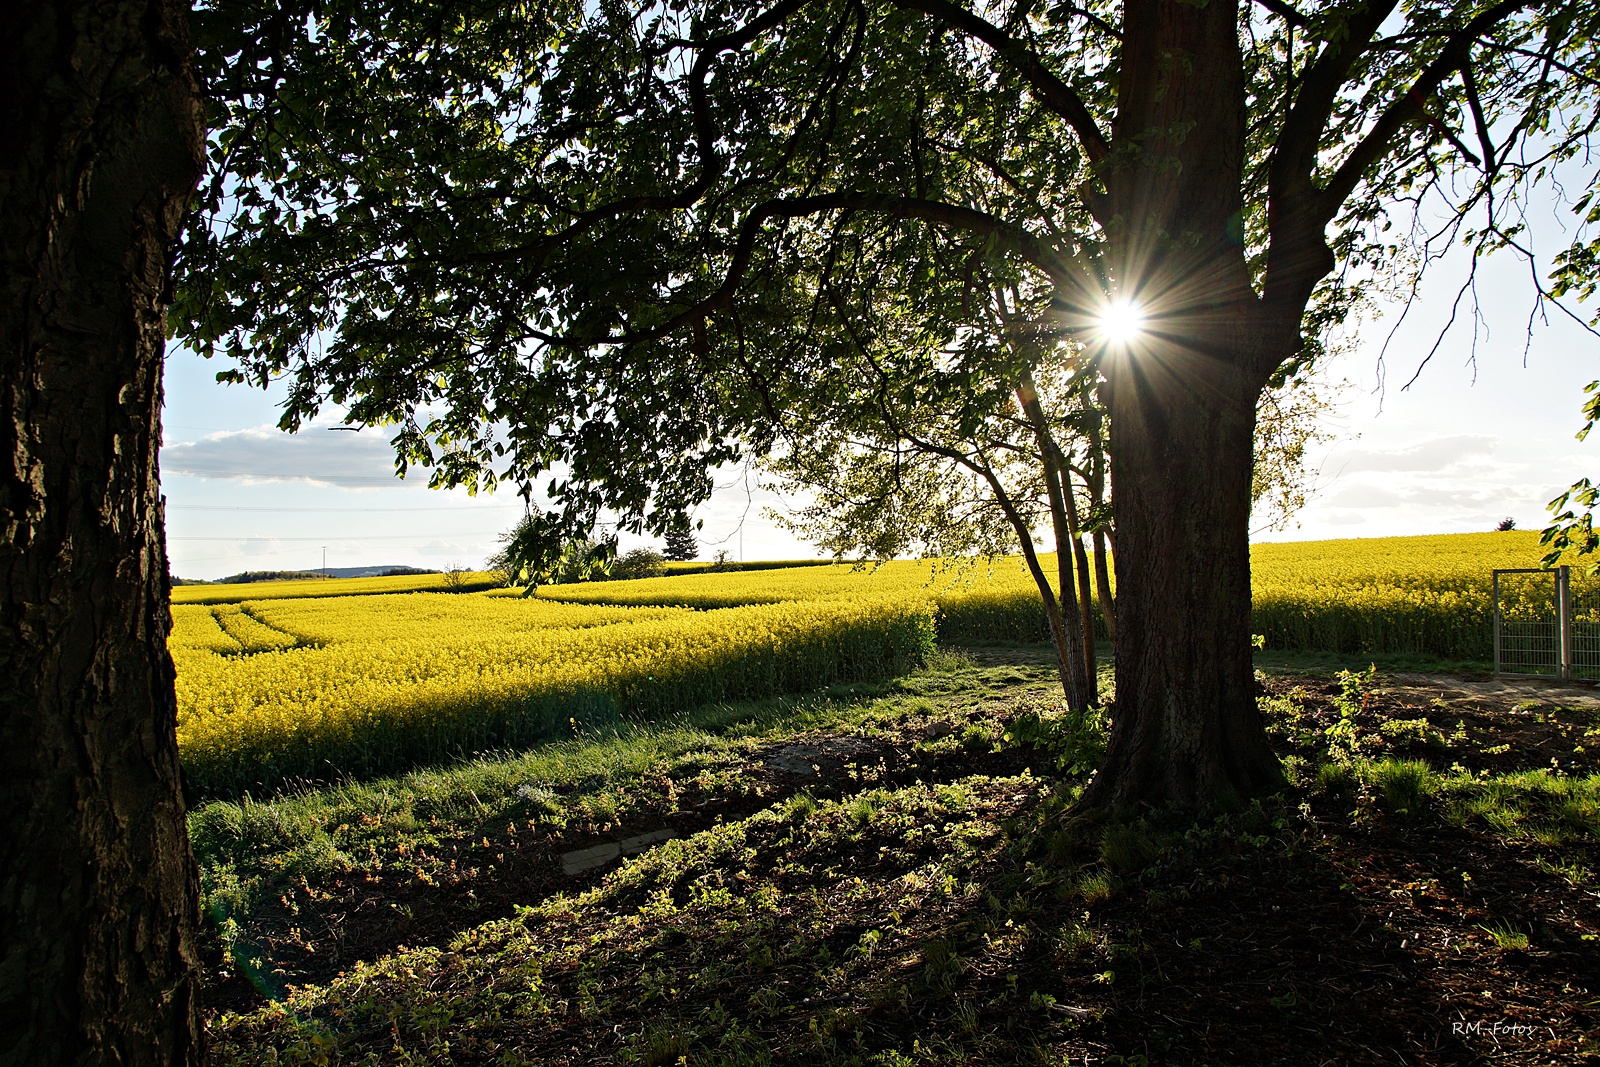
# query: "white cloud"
1436,454
454,550
317,455
1363,496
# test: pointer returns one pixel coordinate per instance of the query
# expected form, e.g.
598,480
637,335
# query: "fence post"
1496,577
1564,617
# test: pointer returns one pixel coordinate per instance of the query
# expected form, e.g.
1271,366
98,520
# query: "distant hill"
246,577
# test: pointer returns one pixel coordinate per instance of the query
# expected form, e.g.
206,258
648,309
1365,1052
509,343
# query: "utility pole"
324,561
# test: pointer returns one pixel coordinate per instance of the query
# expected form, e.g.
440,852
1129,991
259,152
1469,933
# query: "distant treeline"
246,577
697,567
755,565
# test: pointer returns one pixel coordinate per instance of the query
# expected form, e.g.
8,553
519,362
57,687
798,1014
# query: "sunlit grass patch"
823,896
1536,805
1506,937
1401,785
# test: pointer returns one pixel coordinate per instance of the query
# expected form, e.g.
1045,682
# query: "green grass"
710,938
1537,806
938,916
249,851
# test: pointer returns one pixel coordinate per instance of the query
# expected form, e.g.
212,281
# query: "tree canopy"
612,245
595,224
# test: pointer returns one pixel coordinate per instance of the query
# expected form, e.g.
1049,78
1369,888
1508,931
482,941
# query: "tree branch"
1095,20
711,166
1295,155
1010,237
1449,135
1285,11
1455,54
1491,161
1050,90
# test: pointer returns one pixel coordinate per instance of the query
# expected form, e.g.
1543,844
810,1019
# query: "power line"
338,537
198,472
251,507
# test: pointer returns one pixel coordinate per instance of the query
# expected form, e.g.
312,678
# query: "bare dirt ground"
1335,924
1497,693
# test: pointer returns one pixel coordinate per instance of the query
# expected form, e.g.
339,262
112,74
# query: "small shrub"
948,661
661,1046
976,740
802,806
456,578
1076,740
1506,937
1095,887
1402,731
1401,785
1336,781
639,563
1075,939
1294,769
1129,847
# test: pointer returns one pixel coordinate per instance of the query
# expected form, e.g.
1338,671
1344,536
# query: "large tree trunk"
1185,729
98,896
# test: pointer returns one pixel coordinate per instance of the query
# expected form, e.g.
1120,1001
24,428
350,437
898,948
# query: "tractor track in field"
310,936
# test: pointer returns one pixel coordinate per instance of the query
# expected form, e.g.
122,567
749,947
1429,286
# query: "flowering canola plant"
1430,594
280,688
1426,594
277,691
977,599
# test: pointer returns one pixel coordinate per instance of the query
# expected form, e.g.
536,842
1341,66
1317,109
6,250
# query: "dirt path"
1407,687
1491,694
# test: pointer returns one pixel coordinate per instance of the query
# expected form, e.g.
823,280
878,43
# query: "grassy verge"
302,885
916,897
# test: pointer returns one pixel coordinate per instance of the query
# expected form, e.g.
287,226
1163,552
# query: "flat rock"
813,760
607,852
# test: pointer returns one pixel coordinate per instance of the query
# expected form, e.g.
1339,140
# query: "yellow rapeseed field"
1426,594
323,587
977,600
1385,594
273,691
287,684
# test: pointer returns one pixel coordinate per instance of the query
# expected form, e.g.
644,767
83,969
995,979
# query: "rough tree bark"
98,895
1185,731
1081,556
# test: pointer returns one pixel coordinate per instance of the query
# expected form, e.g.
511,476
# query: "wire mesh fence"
1543,626
1527,627
1585,629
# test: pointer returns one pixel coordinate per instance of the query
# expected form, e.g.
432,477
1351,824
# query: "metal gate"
1543,627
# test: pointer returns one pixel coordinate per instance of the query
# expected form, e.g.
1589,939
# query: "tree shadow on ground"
933,905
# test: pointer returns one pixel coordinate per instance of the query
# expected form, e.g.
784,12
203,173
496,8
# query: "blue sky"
1473,439
1471,442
